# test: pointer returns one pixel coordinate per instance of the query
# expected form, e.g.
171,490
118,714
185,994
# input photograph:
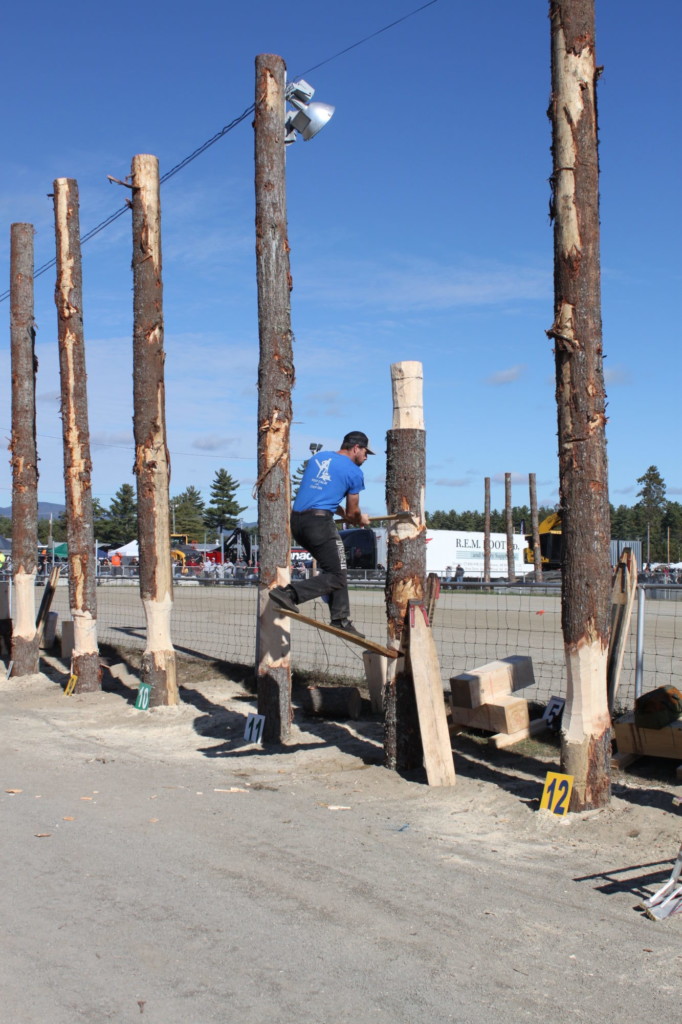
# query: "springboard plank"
622,599
428,688
369,645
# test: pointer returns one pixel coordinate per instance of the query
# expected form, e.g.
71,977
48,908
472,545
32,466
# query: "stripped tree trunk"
486,533
511,571
534,527
152,462
576,332
406,558
24,459
80,532
275,382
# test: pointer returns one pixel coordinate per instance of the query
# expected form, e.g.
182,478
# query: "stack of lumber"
484,698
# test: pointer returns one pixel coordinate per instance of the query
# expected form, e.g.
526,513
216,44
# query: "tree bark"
80,533
275,382
24,644
535,527
580,401
486,533
406,558
152,461
511,570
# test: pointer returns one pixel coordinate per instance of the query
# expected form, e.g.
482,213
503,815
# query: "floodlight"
308,118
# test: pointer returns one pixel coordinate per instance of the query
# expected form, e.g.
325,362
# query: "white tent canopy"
129,550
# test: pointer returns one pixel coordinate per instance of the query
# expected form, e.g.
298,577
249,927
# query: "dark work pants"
318,535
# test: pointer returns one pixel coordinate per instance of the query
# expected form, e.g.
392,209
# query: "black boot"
284,597
347,626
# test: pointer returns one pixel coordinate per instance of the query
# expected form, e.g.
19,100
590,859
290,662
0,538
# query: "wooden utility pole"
486,533
80,532
152,462
576,331
535,527
275,382
511,571
24,461
406,557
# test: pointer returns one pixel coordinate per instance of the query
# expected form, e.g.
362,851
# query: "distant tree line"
189,514
653,518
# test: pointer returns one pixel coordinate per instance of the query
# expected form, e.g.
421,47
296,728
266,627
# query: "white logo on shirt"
323,470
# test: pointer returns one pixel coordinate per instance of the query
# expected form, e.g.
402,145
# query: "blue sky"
417,221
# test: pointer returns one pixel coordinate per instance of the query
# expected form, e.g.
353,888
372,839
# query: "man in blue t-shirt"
328,478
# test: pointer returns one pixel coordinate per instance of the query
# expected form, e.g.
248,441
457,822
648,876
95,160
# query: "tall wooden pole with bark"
80,532
586,578
24,461
275,382
535,527
511,569
152,462
486,532
406,557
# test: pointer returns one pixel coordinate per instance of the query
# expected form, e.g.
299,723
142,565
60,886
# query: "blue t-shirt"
327,479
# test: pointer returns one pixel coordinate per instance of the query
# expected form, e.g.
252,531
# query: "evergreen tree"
297,477
223,509
122,516
650,510
188,508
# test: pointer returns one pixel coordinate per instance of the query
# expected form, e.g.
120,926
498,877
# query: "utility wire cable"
219,135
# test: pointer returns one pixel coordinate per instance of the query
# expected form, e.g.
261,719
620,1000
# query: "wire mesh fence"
472,626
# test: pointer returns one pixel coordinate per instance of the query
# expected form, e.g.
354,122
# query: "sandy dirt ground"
158,868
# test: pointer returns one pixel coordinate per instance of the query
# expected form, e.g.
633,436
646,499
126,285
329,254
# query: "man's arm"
352,513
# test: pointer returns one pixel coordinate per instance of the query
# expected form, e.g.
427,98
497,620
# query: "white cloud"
424,284
451,482
516,478
506,376
212,442
617,375
121,438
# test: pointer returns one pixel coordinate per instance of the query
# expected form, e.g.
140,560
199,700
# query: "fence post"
511,569
576,331
535,527
152,464
486,533
80,530
406,556
639,663
24,647
275,381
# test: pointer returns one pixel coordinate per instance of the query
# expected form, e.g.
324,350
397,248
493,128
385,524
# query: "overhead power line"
43,268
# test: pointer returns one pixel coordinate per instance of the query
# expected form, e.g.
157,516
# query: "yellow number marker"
70,686
556,795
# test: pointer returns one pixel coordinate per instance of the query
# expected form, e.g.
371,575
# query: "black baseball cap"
357,437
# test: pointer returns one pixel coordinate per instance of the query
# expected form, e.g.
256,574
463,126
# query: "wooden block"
497,679
665,742
375,674
503,739
428,689
507,714
67,638
621,761
50,631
